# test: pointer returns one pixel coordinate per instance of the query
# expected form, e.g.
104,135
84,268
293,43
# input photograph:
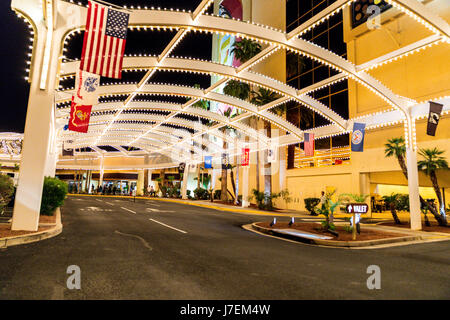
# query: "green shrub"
201,194
310,204
53,195
403,202
6,190
265,200
217,194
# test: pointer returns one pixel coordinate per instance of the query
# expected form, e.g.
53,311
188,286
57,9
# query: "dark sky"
13,56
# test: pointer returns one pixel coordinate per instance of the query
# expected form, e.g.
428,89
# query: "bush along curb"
334,243
34,237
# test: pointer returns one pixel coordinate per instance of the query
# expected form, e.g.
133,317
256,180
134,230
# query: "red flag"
104,41
245,157
79,117
309,144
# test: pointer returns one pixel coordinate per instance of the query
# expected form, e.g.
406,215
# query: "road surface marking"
128,210
168,226
154,204
157,210
145,243
111,204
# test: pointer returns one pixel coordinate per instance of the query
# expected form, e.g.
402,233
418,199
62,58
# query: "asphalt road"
160,250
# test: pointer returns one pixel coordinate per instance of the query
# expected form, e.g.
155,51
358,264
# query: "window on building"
303,72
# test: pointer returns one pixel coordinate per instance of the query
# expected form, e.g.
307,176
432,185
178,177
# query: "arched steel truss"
185,22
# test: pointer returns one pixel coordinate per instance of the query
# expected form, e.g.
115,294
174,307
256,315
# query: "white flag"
86,88
272,155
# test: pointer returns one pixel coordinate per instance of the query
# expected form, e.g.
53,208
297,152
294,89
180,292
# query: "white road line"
165,225
154,204
128,210
111,204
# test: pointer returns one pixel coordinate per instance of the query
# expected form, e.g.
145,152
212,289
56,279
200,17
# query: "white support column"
185,182
50,167
238,165
245,186
282,157
140,183
150,182
413,186
86,181
37,136
102,171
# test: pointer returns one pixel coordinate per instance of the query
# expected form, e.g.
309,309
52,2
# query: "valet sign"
357,208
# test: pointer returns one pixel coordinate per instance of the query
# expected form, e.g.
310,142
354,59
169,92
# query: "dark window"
339,103
328,35
359,10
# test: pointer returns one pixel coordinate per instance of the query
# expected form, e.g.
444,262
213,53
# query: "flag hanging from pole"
309,144
225,162
359,130
86,88
208,162
433,117
79,117
104,41
245,160
272,154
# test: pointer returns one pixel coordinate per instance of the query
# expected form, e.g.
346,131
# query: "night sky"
13,55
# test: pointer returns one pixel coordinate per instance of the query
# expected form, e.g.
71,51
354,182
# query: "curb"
334,243
34,237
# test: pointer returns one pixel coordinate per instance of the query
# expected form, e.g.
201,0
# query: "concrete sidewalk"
55,230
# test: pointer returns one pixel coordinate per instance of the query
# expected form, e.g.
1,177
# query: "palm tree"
294,64
202,104
433,161
391,201
237,89
396,147
241,91
245,49
260,98
224,178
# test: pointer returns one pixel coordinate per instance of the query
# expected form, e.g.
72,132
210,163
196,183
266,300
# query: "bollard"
274,221
292,221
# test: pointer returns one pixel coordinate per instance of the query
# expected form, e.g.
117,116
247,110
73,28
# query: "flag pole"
112,5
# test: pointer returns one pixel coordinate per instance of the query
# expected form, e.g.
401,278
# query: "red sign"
245,161
79,117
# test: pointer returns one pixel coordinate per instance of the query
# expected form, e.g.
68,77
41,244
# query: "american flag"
104,41
309,144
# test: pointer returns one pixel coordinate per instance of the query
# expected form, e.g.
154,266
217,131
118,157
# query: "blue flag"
358,137
208,162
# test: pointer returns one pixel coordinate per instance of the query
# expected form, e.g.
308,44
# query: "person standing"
323,200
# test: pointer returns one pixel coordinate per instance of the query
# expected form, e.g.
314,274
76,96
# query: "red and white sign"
245,161
86,88
79,117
